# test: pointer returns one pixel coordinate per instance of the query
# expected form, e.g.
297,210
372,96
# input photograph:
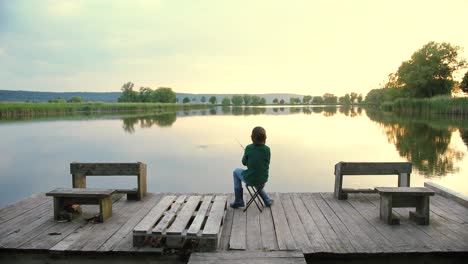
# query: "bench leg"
386,210
79,180
58,207
105,207
421,216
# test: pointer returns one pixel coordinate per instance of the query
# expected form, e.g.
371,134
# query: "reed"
435,105
15,109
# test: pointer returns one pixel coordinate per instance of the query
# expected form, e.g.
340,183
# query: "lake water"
196,150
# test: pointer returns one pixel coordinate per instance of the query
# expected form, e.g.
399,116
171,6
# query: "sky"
212,46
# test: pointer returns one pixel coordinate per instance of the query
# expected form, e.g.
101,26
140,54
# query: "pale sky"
218,46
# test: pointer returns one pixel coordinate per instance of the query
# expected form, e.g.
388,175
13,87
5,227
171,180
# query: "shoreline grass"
435,105
19,109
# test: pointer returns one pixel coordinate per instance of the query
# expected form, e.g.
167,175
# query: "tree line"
146,94
428,73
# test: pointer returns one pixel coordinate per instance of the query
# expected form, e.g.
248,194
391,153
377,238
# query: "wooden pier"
314,224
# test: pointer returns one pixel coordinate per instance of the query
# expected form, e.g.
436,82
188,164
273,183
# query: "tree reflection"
425,143
160,120
329,111
464,136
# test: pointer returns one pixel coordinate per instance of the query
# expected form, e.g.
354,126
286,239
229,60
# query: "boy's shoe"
268,204
237,204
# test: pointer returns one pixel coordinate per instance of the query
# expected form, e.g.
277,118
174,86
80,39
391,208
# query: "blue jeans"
238,179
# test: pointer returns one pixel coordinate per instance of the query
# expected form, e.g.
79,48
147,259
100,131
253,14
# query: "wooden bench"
64,197
394,197
402,169
79,172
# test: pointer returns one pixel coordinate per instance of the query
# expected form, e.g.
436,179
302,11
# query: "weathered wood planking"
177,221
329,226
254,257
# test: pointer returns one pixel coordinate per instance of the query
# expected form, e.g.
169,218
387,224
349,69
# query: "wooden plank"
16,209
341,231
317,241
169,216
406,191
447,193
227,226
102,169
183,217
358,225
215,217
202,212
268,233
16,224
79,192
125,232
335,243
374,168
451,207
254,257
283,233
295,225
28,230
369,212
239,229
253,234
150,219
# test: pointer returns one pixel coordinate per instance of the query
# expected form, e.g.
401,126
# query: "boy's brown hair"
258,136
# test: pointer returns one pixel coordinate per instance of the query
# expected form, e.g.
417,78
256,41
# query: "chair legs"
254,196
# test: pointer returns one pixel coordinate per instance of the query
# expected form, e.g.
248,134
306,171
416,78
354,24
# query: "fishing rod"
240,144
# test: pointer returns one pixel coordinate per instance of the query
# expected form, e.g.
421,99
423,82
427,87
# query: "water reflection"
424,142
168,118
161,120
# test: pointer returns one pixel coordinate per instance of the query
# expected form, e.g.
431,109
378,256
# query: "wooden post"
404,179
105,206
339,183
142,181
79,180
58,207
386,204
421,216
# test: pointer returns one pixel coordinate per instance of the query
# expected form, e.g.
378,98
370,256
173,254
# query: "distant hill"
21,96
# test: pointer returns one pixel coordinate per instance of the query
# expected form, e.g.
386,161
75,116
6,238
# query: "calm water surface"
196,151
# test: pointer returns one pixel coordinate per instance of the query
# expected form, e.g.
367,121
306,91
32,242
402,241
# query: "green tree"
145,94
237,100
75,99
212,99
247,99
226,101
275,101
464,83
429,71
281,102
345,100
317,100
263,101
255,100
186,100
329,98
128,95
203,99
163,95
353,97
306,99
359,98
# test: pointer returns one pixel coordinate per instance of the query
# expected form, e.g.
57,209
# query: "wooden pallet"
193,222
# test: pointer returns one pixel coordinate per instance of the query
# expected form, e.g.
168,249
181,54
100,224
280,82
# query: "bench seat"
396,197
64,197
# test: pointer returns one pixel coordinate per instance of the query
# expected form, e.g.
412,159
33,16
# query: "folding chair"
254,197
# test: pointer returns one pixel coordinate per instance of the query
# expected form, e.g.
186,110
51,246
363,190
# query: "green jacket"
257,160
